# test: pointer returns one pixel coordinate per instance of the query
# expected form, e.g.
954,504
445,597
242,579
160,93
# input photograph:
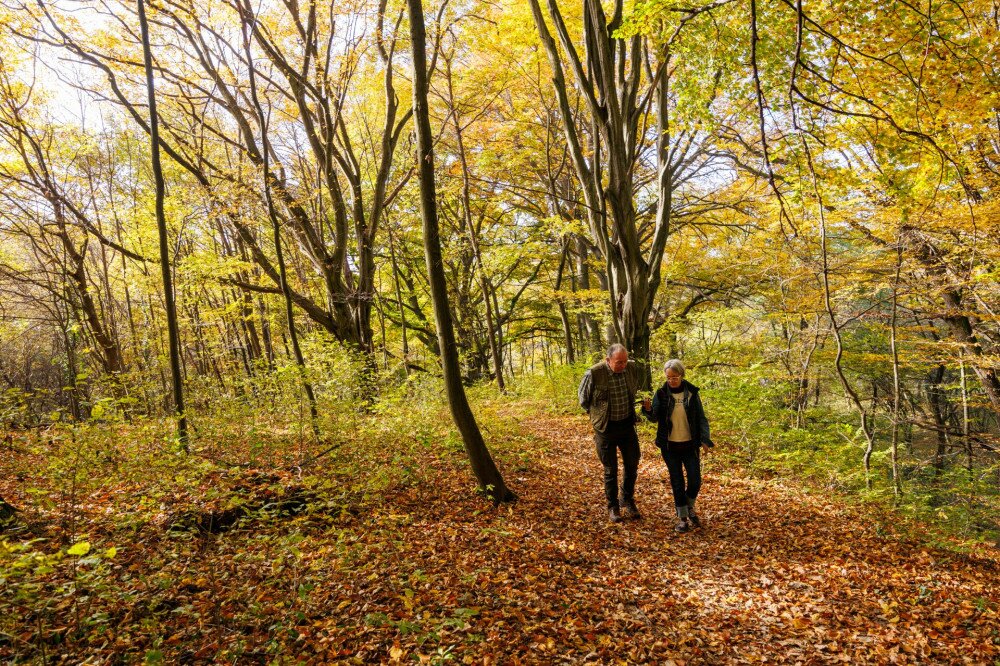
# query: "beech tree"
622,82
490,480
161,227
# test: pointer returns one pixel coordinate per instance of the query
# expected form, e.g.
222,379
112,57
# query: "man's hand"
647,404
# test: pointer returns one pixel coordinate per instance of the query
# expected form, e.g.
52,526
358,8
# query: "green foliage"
555,389
755,431
78,582
770,285
38,582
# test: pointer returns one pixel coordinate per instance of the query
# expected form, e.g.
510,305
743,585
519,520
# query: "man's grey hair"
615,348
675,365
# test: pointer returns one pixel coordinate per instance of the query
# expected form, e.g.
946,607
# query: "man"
607,393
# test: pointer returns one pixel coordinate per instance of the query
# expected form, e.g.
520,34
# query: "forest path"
775,576
409,566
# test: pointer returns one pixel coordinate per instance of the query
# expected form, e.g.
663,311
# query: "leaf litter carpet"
776,575
425,571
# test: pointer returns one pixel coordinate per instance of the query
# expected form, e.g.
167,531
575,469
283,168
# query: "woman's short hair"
675,365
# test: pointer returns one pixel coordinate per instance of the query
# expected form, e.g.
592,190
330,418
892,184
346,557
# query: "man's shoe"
614,515
631,511
694,520
682,525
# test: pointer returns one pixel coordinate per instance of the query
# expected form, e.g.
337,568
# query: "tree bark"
488,476
161,226
610,80
959,323
249,21
561,302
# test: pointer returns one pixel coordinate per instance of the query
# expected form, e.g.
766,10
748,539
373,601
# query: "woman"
680,432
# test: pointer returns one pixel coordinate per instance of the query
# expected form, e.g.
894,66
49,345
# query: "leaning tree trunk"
956,313
490,480
110,352
161,226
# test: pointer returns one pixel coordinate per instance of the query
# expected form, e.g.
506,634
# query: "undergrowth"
114,518
756,435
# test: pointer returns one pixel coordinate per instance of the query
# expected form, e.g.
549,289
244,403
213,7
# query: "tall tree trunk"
563,313
72,380
897,489
609,78
487,474
938,408
484,281
867,422
247,18
591,330
161,226
399,300
966,442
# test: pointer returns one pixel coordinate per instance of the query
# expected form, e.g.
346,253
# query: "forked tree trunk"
610,81
487,474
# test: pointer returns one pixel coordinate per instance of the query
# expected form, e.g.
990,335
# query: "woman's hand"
647,404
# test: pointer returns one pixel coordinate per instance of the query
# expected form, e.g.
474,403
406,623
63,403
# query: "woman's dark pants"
686,460
618,435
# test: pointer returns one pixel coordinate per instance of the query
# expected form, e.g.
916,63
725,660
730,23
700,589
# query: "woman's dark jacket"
663,407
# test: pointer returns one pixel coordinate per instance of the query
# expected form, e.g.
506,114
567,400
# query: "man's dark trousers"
619,435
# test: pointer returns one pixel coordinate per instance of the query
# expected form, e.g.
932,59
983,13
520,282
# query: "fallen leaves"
424,574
